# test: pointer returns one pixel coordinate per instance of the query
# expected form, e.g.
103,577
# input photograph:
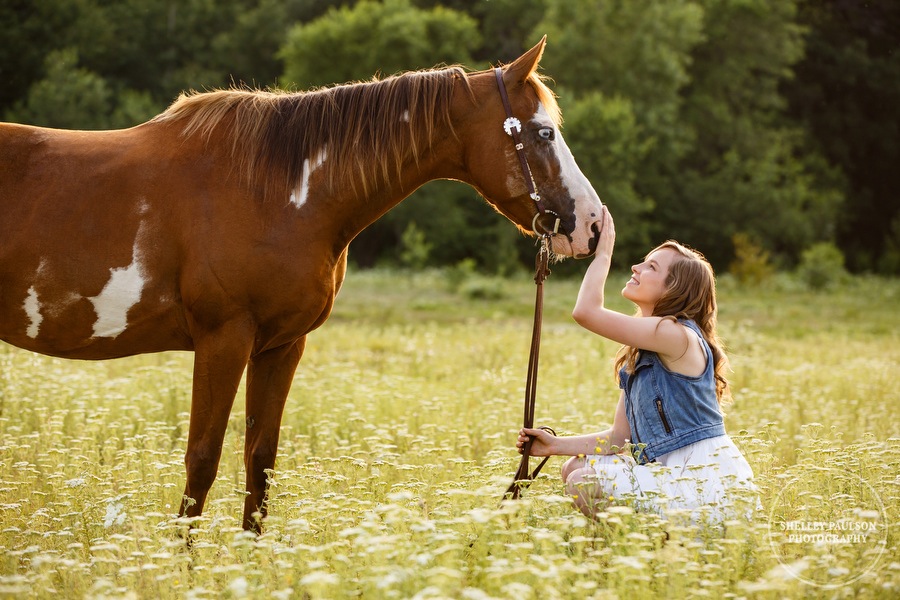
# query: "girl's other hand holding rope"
541,446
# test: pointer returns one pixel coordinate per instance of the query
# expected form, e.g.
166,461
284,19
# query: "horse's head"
502,162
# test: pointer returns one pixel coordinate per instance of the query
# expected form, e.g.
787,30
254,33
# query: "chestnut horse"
221,226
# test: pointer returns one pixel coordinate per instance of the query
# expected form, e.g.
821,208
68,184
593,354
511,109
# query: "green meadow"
397,444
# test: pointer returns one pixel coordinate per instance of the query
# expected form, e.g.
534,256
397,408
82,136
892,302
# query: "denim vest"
666,410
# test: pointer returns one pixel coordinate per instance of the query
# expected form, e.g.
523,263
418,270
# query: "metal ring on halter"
534,224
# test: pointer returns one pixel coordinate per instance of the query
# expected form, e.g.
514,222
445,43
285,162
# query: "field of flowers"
397,444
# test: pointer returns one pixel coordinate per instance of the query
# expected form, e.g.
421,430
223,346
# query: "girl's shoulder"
693,357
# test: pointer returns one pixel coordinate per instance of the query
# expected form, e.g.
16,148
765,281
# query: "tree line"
758,128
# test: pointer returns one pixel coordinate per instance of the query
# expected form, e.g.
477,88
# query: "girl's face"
648,280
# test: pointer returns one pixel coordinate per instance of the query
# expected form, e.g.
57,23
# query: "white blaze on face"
33,310
121,292
587,203
572,177
301,192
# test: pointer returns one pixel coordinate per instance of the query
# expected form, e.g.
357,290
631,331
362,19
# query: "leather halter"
513,127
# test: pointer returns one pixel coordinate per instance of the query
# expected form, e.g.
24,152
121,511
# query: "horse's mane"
369,127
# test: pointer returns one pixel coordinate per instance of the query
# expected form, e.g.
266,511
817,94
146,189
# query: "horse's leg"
269,378
219,361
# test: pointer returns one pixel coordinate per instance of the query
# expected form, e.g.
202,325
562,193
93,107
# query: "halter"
513,127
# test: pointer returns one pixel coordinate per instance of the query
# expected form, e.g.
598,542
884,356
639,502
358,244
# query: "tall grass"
397,443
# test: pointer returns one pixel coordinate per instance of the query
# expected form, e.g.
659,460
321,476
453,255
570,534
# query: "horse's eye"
546,133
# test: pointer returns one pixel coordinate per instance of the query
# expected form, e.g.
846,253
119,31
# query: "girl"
671,370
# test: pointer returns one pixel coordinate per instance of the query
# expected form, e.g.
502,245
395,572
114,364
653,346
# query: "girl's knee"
570,466
583,487
582,482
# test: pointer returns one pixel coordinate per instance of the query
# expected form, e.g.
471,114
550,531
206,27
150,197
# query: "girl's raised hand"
607,235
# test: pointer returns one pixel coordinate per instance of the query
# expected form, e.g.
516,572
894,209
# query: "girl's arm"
601,442
663,336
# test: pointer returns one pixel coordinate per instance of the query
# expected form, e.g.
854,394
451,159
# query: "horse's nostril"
592,243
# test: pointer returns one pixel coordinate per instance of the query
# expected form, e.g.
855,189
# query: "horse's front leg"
219,360
269,378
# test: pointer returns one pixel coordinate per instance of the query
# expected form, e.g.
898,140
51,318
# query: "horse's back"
41,167
18,145
77,240
58,183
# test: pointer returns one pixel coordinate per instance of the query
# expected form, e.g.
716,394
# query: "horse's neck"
362,208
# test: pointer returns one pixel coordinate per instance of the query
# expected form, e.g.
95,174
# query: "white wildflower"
239,587
319,577
115,514
631,561
480,515
471,593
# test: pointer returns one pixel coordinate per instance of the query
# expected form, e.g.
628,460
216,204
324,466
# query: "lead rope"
523,478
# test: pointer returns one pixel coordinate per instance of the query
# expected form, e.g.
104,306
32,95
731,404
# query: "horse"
221,226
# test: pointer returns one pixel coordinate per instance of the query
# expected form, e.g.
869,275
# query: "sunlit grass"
396,446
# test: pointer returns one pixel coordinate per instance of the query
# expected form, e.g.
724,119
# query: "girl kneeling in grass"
671,370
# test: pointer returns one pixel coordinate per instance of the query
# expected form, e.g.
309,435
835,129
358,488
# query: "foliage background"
771,125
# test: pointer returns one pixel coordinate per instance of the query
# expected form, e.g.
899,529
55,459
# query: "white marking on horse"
572,177
514,182
33,310
587,202
121,292
301,192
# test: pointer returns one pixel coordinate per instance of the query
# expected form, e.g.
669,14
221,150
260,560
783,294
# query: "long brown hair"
690,294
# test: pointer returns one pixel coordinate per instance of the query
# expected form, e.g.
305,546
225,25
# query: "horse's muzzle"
592,243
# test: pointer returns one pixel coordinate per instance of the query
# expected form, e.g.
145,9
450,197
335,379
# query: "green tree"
609,145
72,97
750,170
821,266
506,26
163,46
356,43
621,68
414,248
31,30
68,97
142,49
248,49
846,94
717,155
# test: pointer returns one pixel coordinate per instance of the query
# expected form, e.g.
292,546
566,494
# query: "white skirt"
710,477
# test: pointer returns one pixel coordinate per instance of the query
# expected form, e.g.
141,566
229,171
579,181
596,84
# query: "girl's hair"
690,294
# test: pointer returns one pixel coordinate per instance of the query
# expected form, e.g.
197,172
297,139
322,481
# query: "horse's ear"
519,70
